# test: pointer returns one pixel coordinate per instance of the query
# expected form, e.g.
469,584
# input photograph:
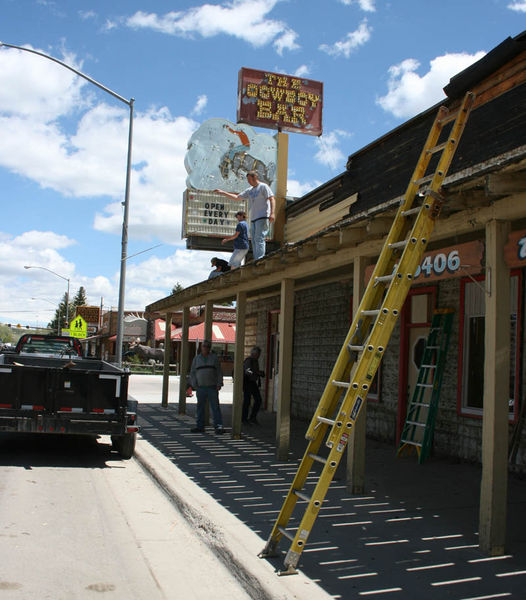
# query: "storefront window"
472,337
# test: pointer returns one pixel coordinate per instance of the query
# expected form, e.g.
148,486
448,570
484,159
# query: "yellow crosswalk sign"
78,328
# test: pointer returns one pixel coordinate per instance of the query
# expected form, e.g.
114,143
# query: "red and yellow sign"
278,101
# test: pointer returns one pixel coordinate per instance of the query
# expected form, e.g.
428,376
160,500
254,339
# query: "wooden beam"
281,186
379,226
353,235
166,363
499,184
209,318
286,331
183,371
329,243
239,355
356,445
494,482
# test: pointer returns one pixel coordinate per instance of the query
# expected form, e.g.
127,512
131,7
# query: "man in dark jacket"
206,378
251,383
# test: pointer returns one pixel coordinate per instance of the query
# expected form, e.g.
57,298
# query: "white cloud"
87,14
200,105
243,19
286,41
329,153
365,5
302,71
409,93
88,159
32,86
297,189
350,42
519,6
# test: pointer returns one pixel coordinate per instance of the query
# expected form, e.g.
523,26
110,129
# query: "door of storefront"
414,329
272,370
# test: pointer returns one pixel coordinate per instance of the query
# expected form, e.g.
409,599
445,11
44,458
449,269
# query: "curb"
234,544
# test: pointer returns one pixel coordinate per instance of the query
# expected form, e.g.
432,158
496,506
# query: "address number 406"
439,264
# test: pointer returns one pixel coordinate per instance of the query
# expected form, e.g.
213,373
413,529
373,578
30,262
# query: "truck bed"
62,395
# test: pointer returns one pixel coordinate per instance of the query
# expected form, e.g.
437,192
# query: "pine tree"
60,315
80,298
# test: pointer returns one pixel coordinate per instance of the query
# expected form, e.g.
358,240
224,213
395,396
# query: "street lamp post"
67,292
126,203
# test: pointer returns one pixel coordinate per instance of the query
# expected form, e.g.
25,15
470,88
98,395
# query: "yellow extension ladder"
370,331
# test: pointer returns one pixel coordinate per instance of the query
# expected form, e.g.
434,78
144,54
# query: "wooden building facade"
297,302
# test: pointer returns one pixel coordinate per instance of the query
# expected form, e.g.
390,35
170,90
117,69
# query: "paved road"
77,522
148,388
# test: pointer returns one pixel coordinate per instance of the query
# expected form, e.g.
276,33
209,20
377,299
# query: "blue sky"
63,150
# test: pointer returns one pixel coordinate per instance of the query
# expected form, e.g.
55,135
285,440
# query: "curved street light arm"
79,73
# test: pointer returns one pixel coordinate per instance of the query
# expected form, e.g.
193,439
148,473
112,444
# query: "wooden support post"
209,320
166,364
357,443
494,482
183,371
239,355
286,331
281,186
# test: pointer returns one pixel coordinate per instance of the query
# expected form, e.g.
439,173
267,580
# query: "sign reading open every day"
209,213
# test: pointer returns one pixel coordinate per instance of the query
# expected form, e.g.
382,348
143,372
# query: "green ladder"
421,413
370,331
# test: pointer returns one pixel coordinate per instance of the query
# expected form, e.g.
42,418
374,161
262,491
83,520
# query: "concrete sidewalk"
412,535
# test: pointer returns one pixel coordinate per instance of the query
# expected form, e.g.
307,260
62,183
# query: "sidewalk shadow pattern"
412,535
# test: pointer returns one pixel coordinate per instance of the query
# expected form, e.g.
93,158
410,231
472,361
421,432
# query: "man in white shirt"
261,206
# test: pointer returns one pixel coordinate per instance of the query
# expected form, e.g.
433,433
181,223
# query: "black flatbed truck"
48,386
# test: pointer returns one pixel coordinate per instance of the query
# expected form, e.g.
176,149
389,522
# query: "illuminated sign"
278,101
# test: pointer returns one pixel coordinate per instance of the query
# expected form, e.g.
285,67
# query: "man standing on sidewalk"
251,383
261,205
207,379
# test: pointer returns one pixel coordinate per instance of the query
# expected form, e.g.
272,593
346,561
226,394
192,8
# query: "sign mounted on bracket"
219,155
281,102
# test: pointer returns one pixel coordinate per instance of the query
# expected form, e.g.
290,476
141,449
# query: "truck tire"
124,444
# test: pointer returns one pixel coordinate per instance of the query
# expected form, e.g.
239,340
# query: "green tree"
6,335
177,288
80,298
60,315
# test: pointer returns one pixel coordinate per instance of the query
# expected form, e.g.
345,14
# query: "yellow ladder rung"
317,458
437,148
302,496
325,420
286,533
342,384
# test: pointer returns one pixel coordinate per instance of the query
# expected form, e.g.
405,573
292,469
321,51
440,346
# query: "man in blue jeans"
261,206
206,378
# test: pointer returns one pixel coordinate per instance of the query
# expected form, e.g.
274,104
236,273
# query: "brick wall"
321,321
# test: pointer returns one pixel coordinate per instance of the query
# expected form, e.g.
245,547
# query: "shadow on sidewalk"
412,535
